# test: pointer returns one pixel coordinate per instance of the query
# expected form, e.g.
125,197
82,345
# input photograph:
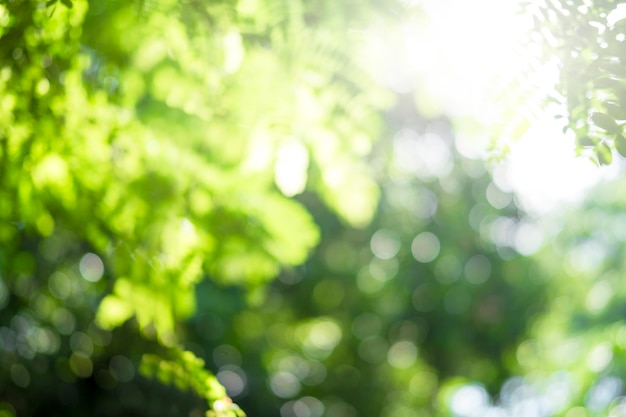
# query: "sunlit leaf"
585,141
113,312
291,231
620,145
605,122
615,110
603,152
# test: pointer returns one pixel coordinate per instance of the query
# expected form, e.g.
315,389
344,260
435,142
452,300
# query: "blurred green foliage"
391,320
162,162
576,348
137,146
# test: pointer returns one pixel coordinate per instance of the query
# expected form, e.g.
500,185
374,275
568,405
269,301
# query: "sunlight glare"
469,400
467,46
290,170
465,55
544,172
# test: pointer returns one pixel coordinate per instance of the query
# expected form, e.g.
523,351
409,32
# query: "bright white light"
467,53
463,57
616,14
467,47
427,156
290,170
91,267
545,173
468,400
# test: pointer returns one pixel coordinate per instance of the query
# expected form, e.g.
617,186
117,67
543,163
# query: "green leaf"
605,122
620,93
585,141
112,312
291,231
187,371
603,152
620,145
615,110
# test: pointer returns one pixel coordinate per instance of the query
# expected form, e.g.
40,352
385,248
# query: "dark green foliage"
365,328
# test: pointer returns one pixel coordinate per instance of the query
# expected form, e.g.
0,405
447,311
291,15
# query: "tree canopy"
219,208
138,141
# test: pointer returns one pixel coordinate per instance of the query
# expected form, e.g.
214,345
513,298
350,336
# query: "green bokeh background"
156,260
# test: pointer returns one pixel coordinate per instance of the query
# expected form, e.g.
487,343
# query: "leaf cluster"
586,44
